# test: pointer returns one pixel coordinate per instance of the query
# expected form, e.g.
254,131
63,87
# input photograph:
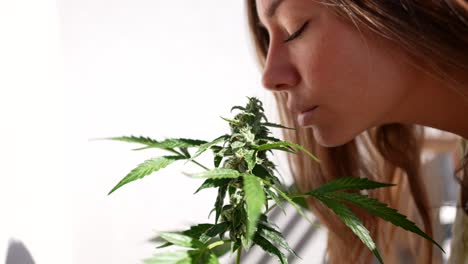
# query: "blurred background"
74,71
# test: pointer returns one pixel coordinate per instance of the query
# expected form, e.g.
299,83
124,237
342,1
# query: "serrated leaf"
197,230
216,149
168,257
238,107
146,168
348,183
248,114
290,201
196,257
181,240
286,144
206,146
247,134
134,139
276,125
352,221
232,121
266,223
217,160
381,210
190,260
235,246
194,232
214,231
180,143
218,155
220,202
237,144
277,238
272,139
208,257
185,152
275,199
212,183
167,244
271,146
270,249
180,257
171,143
260,171
165,144
255,200
239,216
251,158
219,173
301,201
246,243
221,250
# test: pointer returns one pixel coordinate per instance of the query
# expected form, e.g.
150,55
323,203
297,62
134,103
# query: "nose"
279,73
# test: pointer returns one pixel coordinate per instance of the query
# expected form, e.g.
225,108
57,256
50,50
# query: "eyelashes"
297,33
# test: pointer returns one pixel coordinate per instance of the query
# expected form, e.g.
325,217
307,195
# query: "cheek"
356,82
335,65
348,67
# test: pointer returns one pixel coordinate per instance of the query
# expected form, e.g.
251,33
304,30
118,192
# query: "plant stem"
239,253
178,153
286,197
217,243
200,165
271,207
291,196
297,195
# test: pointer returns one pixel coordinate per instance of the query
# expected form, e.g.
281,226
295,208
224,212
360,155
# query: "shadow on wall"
17,253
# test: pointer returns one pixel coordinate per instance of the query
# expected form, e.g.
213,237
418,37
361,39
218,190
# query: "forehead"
268,9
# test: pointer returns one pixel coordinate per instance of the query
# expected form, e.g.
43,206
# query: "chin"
329,139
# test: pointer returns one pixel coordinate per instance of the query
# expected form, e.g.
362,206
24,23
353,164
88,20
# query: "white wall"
34,196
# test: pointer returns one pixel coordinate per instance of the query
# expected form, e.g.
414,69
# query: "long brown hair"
435,32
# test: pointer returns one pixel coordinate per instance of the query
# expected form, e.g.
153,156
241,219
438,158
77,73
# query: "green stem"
297,195
239,253
178,153
286,197
271,207
291,196
218,243
200,165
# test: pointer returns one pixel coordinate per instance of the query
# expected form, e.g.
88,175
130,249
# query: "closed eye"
297,33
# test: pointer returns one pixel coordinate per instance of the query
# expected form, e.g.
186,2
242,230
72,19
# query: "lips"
309,109
306,117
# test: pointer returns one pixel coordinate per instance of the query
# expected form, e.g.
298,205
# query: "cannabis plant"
242,171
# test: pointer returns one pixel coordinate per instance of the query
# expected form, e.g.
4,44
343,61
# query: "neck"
434,103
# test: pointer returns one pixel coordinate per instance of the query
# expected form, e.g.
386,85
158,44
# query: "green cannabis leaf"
146,168
254,200
243,173
381,210
348,183
332,195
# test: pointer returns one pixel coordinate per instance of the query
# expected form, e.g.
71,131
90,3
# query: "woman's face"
354,78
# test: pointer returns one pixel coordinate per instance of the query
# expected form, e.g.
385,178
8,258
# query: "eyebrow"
273,7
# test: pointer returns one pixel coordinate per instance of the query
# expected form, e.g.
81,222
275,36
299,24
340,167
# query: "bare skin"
357,79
